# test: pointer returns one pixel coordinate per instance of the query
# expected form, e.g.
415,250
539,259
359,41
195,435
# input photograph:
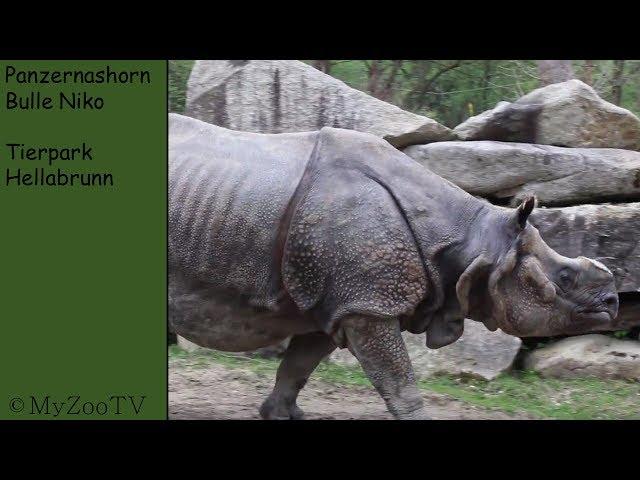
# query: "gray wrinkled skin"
340,240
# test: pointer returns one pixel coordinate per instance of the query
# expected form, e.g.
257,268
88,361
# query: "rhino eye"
565,278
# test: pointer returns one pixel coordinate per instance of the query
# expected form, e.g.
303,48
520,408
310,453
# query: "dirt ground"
218,392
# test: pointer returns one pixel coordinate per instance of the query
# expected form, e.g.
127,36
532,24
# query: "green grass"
584,398
580,399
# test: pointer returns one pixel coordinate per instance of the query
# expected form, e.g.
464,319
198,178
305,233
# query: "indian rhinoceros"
337,239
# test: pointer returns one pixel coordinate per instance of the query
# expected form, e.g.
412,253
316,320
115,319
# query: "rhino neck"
486,232
451,229
489,235
473,229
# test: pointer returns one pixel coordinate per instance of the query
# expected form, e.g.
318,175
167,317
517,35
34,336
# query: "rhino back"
228,194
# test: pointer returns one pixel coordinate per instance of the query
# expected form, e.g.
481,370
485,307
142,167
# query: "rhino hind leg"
301,358
380,349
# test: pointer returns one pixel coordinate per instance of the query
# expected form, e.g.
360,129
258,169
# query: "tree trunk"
588,72
617,81
375,72
485,83
323,65
386,93
554,71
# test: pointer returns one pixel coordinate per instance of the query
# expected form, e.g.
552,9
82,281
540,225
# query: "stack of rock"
575,151
579,155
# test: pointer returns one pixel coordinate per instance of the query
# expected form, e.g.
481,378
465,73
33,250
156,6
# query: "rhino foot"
382,353
272,409
302,356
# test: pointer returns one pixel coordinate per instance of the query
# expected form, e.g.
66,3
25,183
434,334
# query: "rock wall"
512,151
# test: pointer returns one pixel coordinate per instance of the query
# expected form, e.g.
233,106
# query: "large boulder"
558,176
478,353
274,96
608,233
588,355
569,114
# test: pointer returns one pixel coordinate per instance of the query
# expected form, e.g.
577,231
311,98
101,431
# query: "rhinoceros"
338,240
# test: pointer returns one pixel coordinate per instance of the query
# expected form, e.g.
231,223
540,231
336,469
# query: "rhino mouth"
597,319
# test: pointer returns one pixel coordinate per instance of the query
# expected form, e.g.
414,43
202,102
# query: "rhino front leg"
300,359
380,349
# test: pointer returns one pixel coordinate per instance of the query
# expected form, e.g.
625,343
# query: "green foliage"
621,334
583,398
179,71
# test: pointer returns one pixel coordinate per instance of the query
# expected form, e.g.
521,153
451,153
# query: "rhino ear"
524,210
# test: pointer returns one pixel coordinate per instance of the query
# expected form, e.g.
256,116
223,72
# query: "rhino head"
532,291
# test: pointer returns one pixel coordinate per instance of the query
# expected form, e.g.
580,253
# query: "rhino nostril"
611,300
